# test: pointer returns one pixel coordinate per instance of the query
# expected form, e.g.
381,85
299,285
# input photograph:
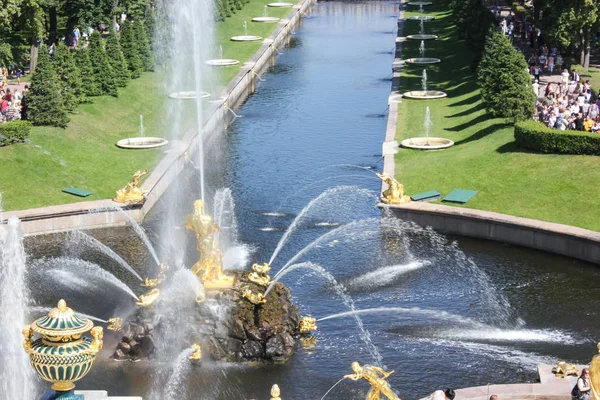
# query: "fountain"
424,94
221,62
246,37
265,17
142,141
280,4
419,3
422,35
426,142
422,60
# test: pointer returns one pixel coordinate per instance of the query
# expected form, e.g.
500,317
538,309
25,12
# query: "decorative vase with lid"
62,355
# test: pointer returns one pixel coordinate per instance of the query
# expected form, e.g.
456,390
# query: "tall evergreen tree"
103,72
130,50
44,99
504,80
88,83
69,77
143,45
117,59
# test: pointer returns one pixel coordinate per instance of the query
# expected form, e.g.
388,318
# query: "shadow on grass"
466,102
480,134
474,109
512,147
475,121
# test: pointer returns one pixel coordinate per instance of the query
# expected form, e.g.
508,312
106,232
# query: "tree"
103,72
117,59
504,79
88,83
69,78
143,46
130,50
44,100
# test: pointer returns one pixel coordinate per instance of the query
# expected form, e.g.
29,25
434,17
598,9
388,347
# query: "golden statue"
254,298
262,269
114,324
197,353
98,334
210,265
307,324
275,392
395,191
27,334
377,379
152,283
260,274
562,369
595,375
148,299
131,193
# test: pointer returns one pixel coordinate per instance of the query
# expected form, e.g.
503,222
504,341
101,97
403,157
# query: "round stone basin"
265,19
422,37
222,62
188,95
279,4
421,18
423,60
419,3
142,142
427,143
248,38
425,95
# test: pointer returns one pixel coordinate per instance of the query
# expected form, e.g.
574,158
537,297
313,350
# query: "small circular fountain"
246,38
280,4
422,36
419,3
222,62
191,95
146,142
423,60
265,19
421,18
425,94
427,143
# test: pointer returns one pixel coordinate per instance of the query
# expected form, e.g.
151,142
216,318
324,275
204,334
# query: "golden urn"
62,355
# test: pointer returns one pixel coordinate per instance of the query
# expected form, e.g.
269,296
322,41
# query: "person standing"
536,88
550,64
581,390
564,78
536,72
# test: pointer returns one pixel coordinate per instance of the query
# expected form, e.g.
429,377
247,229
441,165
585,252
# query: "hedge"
14,131
537,136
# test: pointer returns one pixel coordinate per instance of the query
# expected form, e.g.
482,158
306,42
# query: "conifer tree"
504,80
143,46
130,50
88,83
103,72
45,104
117,59
69,78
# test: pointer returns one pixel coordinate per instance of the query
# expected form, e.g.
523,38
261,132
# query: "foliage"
505,83
473,20
69,78
130,50
103,72
143,46
88,82
14,132
537,136
117,59
44,100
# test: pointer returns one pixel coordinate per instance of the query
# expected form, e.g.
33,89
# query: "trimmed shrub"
117,59
130,50
103,72
13,132
537,136
69,78
143,46
88,82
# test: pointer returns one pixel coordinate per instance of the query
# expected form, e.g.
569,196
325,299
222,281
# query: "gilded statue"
98,335
152,283
114,324
210,265
260,274
148,299
275,392
131,193
595,375
395,191
253,298
562,369
27,334
307,324
196,353
262,269
377,379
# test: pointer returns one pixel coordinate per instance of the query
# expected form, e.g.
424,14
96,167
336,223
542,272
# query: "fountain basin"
423,60
422,37
419,3
222,62
425,94
246,38
144,142
192,95
427,143
421,18
280,4
265,19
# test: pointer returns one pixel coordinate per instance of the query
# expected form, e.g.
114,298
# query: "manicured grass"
557,188
85,156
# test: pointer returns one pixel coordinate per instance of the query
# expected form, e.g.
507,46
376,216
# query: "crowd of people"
13,104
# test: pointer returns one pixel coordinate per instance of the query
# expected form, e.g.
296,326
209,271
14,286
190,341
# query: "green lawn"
85,156
557,188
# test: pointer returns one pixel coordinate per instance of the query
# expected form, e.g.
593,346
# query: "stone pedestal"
54,395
